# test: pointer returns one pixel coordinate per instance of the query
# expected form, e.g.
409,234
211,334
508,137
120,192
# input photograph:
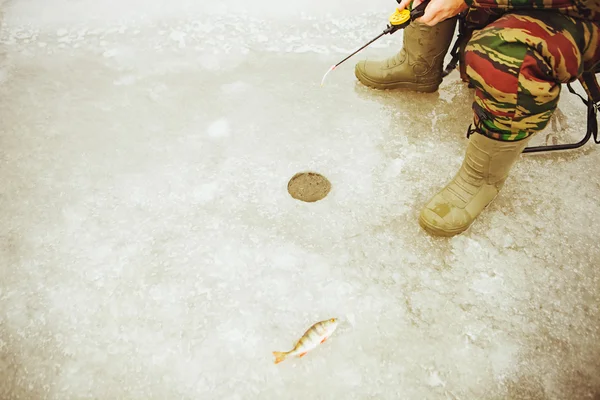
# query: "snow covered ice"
149,248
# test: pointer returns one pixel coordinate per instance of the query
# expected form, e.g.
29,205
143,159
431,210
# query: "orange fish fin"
302,355
279,356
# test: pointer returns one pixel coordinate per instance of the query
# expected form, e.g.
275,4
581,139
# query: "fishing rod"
398,20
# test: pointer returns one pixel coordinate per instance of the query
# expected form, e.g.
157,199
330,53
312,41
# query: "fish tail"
279,356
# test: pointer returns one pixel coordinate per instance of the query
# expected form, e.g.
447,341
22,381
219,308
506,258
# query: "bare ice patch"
219,129
234,87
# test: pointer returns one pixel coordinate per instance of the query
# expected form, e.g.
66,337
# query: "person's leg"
517,65
418,66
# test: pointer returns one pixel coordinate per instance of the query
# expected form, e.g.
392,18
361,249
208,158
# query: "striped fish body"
312,338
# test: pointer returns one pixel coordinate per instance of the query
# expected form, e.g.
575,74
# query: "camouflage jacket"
586,9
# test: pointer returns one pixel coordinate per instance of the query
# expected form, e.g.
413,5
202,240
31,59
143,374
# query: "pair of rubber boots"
487,163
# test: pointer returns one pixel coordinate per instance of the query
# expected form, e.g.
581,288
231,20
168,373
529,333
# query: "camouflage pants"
517,64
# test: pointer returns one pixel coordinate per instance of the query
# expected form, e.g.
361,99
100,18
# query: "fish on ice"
313,337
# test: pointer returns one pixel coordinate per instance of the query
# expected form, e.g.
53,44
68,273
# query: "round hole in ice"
309,187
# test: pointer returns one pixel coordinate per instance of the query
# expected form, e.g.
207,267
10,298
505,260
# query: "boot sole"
417,87
435,231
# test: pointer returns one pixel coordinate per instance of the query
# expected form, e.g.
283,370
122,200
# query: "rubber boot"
418,66
484,170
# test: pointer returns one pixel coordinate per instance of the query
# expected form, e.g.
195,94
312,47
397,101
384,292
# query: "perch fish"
314,336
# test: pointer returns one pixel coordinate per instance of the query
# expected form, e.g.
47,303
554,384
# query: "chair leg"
592,131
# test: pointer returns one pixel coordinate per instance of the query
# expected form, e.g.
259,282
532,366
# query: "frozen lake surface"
149,248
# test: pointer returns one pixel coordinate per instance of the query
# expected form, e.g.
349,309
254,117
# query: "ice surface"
149,249
219,128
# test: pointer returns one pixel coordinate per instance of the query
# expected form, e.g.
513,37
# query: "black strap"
593,121
460,40
455,58
577,94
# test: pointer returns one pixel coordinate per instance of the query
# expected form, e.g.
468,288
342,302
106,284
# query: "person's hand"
437,10
406,3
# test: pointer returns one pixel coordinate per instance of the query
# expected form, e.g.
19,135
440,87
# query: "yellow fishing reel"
400,19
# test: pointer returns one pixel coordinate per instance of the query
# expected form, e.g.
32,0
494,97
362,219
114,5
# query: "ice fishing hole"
309,187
